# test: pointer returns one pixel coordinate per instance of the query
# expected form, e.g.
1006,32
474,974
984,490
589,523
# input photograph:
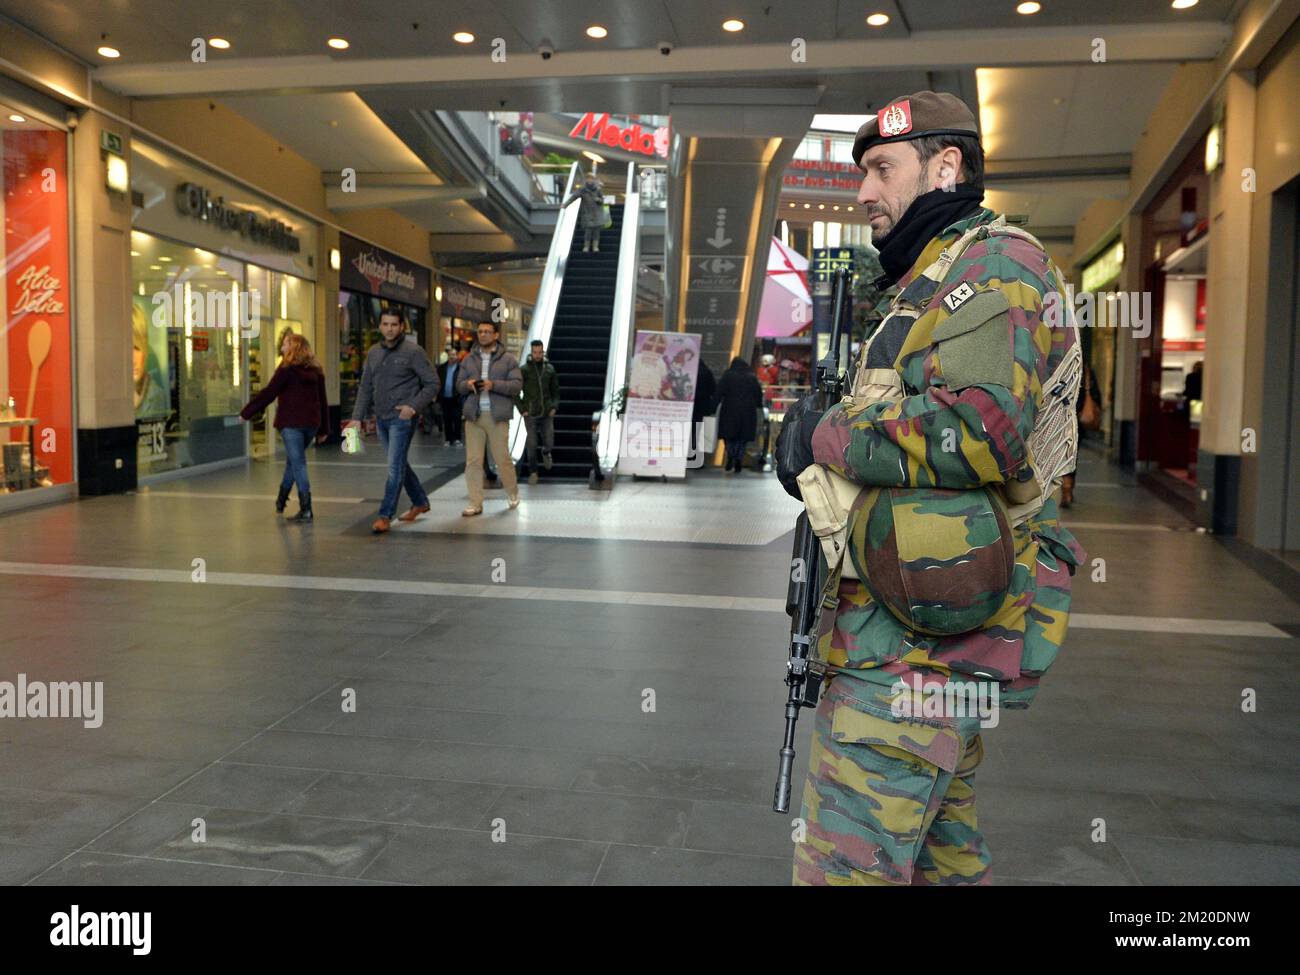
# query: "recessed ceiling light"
733,25
463,37
220,43
878,20
821,206
1184,4
135,253
835,207
15,117
155,267
593,156
596,31
108,52
1029,7
791,206
807,206
338,43
850,209
164,259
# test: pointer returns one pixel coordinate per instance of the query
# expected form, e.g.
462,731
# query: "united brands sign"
195,201
630,138
372,270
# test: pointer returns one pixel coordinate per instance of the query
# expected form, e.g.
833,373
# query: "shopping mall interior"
593,663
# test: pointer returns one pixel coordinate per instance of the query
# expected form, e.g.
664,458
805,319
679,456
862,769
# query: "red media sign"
630,138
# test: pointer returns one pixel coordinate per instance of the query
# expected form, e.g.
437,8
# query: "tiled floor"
507,740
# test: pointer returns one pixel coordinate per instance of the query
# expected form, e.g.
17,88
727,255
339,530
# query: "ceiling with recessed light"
1039,100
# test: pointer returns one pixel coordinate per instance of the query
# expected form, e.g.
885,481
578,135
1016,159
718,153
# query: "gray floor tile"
390,799
1057,857
259,788
149,828
657,866
20,864
591,816
750,828
58,819
298,844
444,856
111,870
679,780
1199,862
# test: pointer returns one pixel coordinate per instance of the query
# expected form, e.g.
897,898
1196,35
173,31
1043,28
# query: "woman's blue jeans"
296,440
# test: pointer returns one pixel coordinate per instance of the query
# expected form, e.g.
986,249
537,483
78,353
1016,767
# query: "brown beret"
914,117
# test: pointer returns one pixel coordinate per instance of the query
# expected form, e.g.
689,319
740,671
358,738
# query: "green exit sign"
111,141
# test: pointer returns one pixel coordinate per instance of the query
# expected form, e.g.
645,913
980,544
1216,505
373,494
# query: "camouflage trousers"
887,800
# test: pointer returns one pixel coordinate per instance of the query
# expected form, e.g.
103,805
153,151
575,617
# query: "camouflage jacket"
969,401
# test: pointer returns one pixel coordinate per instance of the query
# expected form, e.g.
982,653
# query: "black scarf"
923,221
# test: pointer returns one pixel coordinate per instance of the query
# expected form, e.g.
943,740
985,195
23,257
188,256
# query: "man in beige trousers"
490,381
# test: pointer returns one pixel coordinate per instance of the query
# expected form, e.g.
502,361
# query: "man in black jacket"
538,402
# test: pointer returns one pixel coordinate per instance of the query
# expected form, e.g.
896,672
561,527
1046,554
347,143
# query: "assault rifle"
806,570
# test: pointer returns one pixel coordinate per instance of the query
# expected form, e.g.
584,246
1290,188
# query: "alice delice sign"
371,270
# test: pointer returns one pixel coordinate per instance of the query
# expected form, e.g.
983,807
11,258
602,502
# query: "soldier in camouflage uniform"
954,583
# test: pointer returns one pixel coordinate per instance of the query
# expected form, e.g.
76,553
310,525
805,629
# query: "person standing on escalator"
591,212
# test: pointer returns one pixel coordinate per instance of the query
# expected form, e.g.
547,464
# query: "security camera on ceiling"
545,48
665,48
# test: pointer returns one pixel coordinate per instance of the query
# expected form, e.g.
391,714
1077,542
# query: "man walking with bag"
399,381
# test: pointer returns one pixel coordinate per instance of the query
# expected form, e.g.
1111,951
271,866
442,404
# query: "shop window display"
36,427
189,337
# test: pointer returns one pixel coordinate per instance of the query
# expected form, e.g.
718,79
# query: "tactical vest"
832,501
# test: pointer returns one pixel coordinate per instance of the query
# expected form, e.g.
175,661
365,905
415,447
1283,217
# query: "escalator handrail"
548,297
624,319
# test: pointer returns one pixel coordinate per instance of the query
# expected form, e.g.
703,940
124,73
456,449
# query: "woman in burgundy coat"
298,387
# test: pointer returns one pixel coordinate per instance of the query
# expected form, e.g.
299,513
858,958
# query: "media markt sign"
630,138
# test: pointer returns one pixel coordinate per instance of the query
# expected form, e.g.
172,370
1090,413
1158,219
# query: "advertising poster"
660,400
37,361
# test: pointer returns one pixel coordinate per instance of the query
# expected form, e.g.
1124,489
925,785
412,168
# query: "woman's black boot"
304,507
282,499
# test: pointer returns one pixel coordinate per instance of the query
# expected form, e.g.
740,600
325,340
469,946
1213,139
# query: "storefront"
37,433
464,306
1100,276
1170,400
371,280
218,276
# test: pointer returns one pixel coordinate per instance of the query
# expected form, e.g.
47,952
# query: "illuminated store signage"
195,201
630,138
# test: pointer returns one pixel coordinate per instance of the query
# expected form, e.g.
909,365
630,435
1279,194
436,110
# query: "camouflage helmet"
939,560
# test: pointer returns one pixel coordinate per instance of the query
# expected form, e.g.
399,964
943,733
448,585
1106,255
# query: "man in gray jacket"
490,381
400,383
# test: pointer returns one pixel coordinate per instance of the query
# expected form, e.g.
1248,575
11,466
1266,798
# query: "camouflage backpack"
940,560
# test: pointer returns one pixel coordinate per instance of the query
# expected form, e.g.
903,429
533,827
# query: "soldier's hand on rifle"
794,451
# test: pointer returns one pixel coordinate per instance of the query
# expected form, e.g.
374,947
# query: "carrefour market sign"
630,138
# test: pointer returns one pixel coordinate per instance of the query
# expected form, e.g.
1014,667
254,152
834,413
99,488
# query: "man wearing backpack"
957,573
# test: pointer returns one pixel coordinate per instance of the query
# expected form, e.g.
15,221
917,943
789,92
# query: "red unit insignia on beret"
895,119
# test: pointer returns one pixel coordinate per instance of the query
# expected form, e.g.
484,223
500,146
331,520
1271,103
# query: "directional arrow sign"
719,238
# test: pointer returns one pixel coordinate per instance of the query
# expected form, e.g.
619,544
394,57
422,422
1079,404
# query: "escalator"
579,347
